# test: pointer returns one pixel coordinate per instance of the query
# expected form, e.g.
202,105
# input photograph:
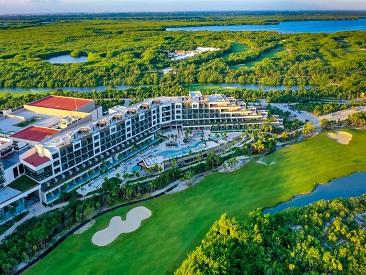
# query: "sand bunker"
341,137
116,226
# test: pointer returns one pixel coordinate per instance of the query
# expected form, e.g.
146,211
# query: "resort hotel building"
78,142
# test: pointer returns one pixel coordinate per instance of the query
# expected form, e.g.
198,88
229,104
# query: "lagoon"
350,186
289,27
66,58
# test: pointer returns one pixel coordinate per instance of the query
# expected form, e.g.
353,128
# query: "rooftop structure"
36,160
182,54
30,125
61,103
34,133
6,147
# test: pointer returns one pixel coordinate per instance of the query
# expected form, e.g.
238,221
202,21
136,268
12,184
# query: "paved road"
299,115
342,115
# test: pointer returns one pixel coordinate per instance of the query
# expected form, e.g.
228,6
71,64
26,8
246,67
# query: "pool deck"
157,150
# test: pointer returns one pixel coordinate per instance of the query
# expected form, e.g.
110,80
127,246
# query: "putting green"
181,220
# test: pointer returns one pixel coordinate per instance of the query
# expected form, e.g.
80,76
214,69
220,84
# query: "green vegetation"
237,47
19,94
208,88
273,58
28,121
357,119
277,52
181,220
23,183
327,237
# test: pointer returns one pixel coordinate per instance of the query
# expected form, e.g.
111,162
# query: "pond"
66,58
288,27
350,186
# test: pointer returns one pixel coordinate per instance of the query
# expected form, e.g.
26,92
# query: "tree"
308,129
325,123
174,162
285,135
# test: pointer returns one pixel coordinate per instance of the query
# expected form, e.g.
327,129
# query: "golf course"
180,221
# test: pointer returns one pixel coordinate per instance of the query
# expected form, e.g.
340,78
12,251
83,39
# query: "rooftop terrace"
36,160
61,103
35,133
9,124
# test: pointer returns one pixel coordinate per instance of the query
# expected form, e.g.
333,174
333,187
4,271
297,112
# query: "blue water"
66,58
288,27
350,186
136,168
180,152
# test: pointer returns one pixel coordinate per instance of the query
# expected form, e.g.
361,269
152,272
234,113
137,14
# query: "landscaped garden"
180,221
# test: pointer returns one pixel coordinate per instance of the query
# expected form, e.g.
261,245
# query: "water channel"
66,58
349,186
289,27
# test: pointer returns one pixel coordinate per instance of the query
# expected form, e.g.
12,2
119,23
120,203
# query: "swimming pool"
183,151
136,168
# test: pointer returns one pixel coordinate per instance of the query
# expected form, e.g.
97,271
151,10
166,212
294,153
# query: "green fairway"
352,50
276,52
237,47
210,88
180,221
17,94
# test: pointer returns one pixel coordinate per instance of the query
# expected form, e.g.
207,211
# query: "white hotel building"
65,160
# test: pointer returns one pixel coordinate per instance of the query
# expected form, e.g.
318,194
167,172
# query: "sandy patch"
341,137
116,226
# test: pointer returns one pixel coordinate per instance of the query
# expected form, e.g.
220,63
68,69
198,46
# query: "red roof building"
35,133
61,103
36,160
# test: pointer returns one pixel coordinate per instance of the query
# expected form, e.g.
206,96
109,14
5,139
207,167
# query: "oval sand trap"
116,226
341,137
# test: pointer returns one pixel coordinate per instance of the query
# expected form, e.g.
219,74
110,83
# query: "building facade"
71,157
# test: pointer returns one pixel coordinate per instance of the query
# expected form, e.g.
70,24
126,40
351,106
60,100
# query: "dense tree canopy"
325,237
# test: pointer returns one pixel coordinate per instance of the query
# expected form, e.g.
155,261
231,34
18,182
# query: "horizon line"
167,12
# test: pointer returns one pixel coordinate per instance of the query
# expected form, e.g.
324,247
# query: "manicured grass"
352,50
180,221
212,88
23,183
276,52
17,94
237,47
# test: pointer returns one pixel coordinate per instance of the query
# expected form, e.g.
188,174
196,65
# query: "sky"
59,6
